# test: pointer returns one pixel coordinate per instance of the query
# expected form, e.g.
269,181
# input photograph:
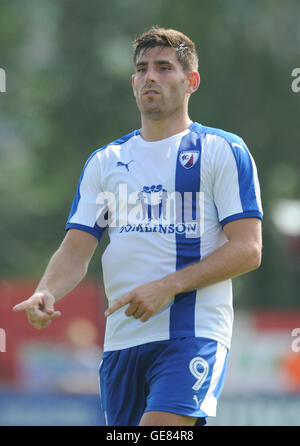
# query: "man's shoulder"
123,139
117,142
229,137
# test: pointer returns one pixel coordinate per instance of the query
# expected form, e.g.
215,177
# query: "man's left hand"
144,301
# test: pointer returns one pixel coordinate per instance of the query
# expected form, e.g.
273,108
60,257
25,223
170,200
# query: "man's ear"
132,81
193,81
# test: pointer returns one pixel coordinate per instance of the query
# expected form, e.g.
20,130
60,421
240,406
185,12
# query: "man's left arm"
240,254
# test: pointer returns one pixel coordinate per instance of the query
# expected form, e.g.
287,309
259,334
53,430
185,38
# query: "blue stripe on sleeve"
245,177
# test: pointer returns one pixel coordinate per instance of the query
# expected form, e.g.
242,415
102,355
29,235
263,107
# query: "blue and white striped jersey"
165,204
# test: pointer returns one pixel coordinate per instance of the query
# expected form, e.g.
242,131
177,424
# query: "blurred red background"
81,324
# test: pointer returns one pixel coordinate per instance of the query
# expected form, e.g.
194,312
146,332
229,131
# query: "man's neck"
154,130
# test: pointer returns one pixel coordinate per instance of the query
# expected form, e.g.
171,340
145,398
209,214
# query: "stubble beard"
157,112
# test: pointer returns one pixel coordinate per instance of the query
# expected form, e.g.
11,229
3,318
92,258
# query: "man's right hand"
39,308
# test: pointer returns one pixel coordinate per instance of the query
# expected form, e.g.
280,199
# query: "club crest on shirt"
188,159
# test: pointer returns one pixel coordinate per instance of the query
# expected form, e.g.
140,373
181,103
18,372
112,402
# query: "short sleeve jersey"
164,205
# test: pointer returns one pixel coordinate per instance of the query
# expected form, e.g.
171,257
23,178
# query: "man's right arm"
67,267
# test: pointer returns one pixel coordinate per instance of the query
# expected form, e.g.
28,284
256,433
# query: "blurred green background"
68,68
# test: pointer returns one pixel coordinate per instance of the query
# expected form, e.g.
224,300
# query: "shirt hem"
134,343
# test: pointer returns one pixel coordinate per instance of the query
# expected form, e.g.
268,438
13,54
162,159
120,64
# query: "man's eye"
141,70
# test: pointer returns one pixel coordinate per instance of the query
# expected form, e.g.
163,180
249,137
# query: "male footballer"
181,204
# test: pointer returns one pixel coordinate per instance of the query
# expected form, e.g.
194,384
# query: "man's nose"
150,75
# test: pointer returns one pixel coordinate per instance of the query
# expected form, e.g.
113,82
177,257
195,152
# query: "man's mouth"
150,92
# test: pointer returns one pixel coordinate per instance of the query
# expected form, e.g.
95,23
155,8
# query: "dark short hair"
184,47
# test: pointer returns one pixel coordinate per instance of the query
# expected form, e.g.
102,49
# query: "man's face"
160,85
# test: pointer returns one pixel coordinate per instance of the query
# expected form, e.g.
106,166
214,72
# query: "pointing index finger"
22,306
119,303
